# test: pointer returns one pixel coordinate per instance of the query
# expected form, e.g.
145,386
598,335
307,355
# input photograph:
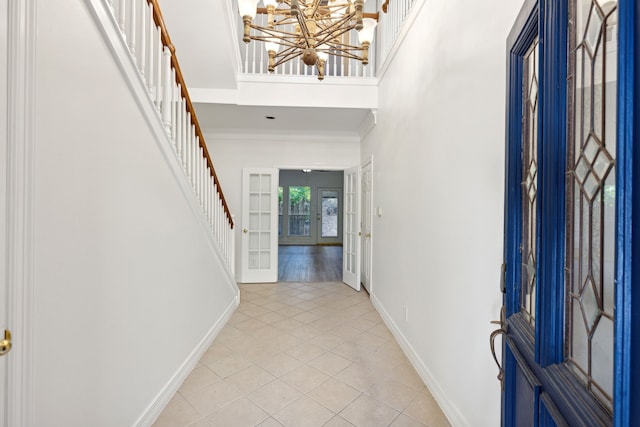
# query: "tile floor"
303,354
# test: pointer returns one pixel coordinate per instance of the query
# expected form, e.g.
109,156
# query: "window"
299,211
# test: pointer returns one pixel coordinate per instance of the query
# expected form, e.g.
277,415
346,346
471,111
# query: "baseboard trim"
450,411
153,411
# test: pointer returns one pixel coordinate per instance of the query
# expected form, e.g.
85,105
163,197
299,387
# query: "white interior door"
367,215
259,226
351,227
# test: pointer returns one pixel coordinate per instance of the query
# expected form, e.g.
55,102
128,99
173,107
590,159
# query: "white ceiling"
207,47
296,120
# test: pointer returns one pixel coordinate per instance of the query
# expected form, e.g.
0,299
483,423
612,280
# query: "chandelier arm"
304,30
286,43
287,58
326,38
329,32
346,47
315,6
275,33
347,54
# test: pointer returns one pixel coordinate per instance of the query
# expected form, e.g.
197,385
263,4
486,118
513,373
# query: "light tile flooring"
303,354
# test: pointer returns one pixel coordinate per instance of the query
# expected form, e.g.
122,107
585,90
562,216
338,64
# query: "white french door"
367,214
351,227
259,226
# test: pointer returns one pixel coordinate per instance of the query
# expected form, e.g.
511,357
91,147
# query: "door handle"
367,235
245,231
492,343
5,344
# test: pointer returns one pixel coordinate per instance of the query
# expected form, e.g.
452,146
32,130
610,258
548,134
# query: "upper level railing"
255,58
391,15
144,32
392,19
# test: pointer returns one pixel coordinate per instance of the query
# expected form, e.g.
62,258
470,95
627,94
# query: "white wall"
438,177
232,153
126,282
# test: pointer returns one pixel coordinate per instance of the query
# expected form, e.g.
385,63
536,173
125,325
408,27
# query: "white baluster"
151,29
210,195
166,89
132,27
174,110
232,249
185,142
143,37
198,168
201,174
246,58
159,52
194,160
122,17
215,210
179,123
189,146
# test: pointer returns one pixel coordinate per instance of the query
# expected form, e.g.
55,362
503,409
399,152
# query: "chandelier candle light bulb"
310,30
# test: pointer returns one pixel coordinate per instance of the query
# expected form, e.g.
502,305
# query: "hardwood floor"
310,263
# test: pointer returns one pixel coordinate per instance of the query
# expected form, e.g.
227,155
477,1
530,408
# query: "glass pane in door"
259,221
591,188
329,213
299,211
529,183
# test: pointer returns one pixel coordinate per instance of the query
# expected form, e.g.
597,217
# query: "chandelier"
309,29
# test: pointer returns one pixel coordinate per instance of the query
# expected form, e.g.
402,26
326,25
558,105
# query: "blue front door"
571,337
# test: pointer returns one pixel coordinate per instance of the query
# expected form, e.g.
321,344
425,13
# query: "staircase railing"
391,22
144,32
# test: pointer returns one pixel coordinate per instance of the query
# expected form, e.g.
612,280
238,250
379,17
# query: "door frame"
546,349
20,213
627,332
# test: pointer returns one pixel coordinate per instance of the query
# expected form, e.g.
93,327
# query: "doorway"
310,225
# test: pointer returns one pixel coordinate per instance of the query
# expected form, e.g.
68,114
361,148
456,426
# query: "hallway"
303,354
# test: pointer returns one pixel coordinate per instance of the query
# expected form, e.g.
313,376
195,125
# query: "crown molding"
260,136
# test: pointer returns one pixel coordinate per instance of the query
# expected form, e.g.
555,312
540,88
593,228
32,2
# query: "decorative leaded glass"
529,183
591,192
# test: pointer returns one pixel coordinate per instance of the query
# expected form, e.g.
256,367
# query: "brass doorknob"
367,235
244,230
5,344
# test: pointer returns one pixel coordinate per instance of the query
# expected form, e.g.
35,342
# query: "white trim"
406,26
266,136
368,123
305,80
232,18
21,142
108,26
452,413
155,408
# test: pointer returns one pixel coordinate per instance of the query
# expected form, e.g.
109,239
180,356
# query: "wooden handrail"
166,41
